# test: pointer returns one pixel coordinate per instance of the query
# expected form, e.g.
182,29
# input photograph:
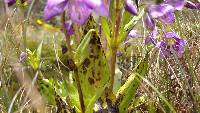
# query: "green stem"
80,92
24,29
70,55
29,10
24,24
114,45
66,36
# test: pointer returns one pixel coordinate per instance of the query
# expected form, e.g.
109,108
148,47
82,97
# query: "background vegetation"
163,84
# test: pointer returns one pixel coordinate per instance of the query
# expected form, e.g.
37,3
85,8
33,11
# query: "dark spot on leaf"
70,64
138,67
86,62
98,73
98,47
85,32
93,41
91,56
99,64
93,73
92,50
84,70
98,79
91,80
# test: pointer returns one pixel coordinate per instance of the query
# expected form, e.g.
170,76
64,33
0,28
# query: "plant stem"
66,36
24,24
80,91
70,55
30,9
114,45
24,29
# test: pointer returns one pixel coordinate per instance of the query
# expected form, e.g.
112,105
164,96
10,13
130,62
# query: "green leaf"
47,89
127,92
80,52
94,76
34,57
138,101
39,51
117,80
93,69
134,20
129,26
106,29
68,90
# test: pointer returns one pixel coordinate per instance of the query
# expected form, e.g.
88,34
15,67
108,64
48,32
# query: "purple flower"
177,4
149,22
198,6
69,28
53,8
132,33
156,11
103,9
171,44
131,7
161,12
93,3
77,10
151,37
23,56
168,18
10,2
165,11
190,5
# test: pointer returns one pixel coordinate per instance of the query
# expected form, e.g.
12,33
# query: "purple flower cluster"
79,10
163,12
169,42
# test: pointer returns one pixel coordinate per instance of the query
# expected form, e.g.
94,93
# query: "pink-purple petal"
177,4
132,33
10,2
156,11
103,9
93,3
78,11
68,28
149,22
131,7
198,6
54,8
190,5
177,46
151,37
168,18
